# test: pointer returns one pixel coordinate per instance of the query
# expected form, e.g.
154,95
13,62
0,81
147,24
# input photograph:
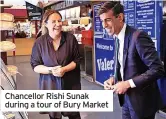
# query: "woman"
55,56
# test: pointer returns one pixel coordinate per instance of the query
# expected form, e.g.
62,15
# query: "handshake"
58,71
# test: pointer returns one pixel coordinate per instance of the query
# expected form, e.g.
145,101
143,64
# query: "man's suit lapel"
126,46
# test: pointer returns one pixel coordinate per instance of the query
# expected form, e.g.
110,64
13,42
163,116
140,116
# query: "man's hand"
121,87
108,83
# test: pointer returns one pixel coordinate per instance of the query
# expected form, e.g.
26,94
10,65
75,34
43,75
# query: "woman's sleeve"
36,58
76,54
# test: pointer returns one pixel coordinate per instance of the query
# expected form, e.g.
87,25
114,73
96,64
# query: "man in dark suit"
165,60
164,108
137,65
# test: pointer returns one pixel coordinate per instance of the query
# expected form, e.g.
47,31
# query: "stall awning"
18,13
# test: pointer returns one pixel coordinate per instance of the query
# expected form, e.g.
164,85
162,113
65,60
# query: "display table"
9,83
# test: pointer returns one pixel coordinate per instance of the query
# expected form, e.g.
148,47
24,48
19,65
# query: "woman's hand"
58,71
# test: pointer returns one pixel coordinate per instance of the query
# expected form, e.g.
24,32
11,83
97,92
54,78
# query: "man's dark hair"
115,6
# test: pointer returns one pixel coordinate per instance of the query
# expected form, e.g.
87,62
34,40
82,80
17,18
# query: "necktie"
116,58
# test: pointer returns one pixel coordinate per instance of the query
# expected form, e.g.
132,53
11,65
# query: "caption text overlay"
57,100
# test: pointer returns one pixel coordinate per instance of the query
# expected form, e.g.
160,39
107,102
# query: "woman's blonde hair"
45,19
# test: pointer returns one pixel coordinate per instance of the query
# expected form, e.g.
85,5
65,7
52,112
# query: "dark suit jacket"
142,64
165,60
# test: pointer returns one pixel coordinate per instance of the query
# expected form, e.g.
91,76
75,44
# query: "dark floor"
29,80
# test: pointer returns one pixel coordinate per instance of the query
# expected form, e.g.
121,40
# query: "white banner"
57,100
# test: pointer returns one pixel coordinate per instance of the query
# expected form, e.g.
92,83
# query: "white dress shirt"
121,37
